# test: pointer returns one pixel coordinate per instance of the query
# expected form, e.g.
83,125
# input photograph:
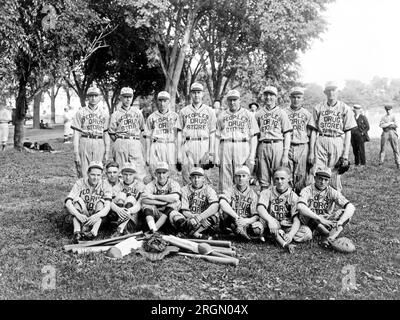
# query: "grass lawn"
32,234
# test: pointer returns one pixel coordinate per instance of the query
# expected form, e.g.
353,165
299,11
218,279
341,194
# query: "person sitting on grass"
161,196
316,206
277,207
126,202
112,173
238,207
199,209
44,125
88,202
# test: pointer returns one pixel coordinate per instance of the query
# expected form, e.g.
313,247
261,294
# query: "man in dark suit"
359,135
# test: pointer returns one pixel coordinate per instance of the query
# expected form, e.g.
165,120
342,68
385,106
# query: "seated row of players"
196,210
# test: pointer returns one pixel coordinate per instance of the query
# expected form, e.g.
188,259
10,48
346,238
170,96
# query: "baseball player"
199,206
88,202
236,140
299,141
161,196
316,206
388,124
277,207
126,126
126,202
68,116
163,135
112,173
91,140
331,125
238,206
198,132
274,140
217,107
5,117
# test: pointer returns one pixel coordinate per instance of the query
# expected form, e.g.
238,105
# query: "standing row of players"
264,141
196,210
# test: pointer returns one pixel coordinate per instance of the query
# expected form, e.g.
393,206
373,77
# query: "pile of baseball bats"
217,251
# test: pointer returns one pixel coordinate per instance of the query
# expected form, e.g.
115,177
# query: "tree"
38,39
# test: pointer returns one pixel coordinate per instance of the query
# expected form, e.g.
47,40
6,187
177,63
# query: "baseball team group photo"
184,150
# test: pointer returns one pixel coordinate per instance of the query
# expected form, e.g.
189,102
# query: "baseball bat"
76,129
69,247
321,228
226,251
217,243
90,249
124,248
229,261
182,243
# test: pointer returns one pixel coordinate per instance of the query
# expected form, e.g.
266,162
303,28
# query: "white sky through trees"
362,41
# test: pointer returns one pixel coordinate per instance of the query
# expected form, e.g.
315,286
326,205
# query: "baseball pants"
194,153
254,230
269,157
79,204
127,150
393,139
163,152
232,155
175,216
90,150
328,150
298,165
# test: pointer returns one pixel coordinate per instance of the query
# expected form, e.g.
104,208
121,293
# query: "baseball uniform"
170,187
197,126
388,124
127,124
68,132
194,202
234,130
283,208
322,202
300,119
90,195
359,136
92,146
5,117
331,123
161,130
273,124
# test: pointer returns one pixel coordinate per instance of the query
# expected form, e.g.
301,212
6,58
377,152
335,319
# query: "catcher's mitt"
155,256
241,228
342,165
154,243
343,244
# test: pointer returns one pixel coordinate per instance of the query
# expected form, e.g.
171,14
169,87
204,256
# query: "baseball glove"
154,243
342,165
241,228
343,244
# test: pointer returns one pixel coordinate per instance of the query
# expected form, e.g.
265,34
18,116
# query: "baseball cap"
388,106
233,94
93,91
357,106
323,171
331,85
296,90
162,166
163,95
196,87
271,89
242,170
95,164
126,91
197,171
128,167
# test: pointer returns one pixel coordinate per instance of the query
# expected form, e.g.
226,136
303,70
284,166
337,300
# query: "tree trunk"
53,105
68,94
20,112
36,109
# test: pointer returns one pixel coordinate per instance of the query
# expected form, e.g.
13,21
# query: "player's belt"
297,144
91,136
329,135
270,141
234,140
129,137
162,140
196,138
